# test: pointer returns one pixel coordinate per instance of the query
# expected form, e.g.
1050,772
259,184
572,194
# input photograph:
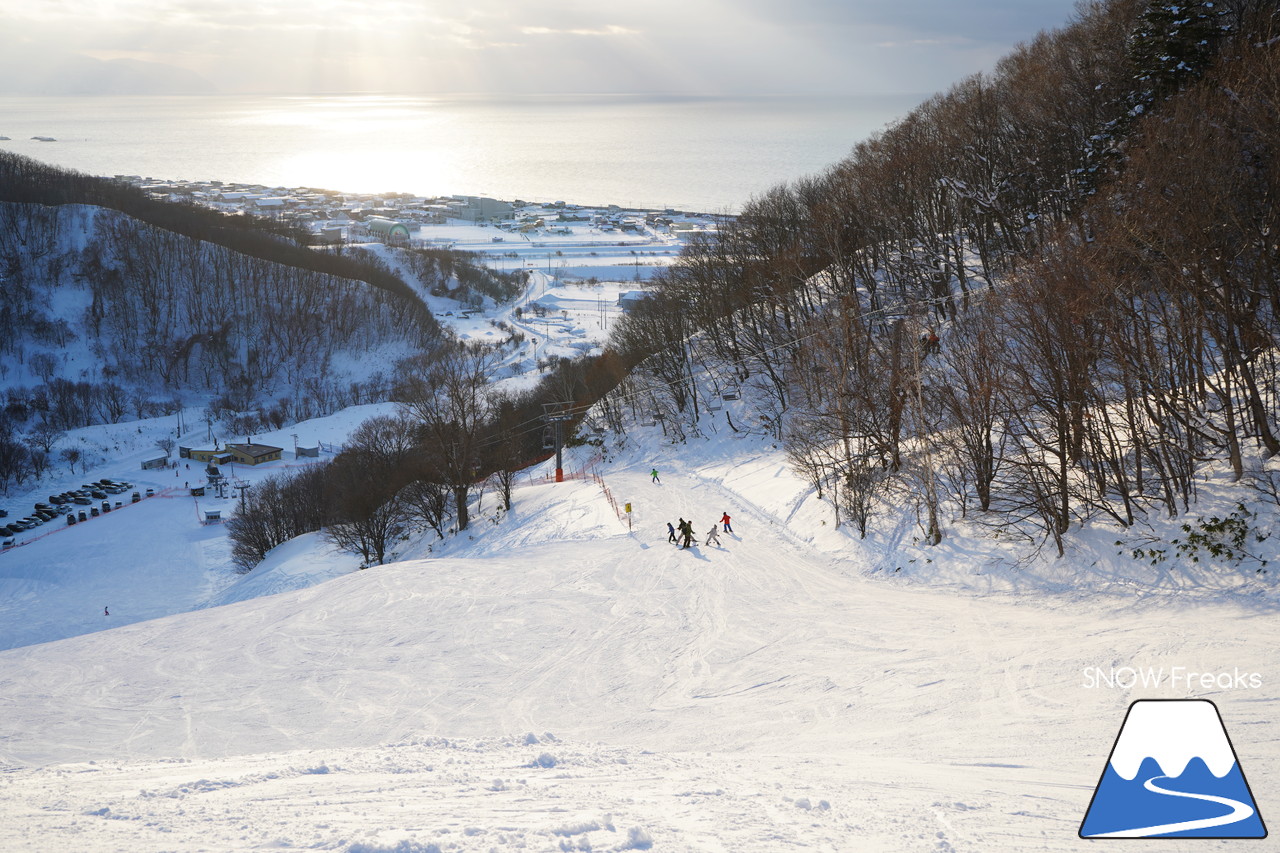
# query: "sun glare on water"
364,144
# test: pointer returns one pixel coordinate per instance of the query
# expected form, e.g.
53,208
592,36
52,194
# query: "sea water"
702,154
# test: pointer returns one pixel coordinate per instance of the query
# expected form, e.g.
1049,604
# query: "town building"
481,209
388,230
254,454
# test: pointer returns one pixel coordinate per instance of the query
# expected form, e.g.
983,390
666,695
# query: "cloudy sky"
695,47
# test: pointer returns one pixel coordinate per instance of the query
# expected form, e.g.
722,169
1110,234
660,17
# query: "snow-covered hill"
554,681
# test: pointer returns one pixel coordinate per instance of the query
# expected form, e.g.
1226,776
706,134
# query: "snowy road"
756,696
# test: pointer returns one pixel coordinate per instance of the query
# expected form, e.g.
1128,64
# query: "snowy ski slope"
552,682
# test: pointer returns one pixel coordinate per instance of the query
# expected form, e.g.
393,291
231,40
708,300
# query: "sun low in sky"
693,47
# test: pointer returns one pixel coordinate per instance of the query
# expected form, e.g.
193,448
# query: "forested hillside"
119,307
1046,295
93,295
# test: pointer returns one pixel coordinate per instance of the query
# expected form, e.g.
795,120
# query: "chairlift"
729,393
548,439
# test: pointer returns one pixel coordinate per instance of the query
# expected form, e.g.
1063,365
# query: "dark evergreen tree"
1172,45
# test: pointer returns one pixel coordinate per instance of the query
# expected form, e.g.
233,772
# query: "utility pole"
556,414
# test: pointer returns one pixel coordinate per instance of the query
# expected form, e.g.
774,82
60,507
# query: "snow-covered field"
146,559
571,300
551,680
586,251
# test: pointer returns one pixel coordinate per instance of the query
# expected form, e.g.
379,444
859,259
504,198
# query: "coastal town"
574,240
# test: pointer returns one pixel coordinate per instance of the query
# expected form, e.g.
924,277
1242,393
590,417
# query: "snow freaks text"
1176,677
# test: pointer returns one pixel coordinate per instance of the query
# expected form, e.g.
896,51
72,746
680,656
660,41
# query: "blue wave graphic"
1153,805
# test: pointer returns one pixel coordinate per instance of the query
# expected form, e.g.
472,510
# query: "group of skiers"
682,534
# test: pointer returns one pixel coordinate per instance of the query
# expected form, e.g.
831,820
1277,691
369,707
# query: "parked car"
82,516
106,506
4,513
136,497
93,512
71,519
97,493
83,500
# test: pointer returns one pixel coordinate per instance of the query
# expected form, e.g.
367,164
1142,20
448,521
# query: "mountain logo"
1173,773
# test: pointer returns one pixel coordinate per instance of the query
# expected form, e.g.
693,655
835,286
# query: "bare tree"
369,513
428,502
44,365
449,401
14,461
45,435
71,456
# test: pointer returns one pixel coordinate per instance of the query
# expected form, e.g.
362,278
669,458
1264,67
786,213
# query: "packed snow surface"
552,679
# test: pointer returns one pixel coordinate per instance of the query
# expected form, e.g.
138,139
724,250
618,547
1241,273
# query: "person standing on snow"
671,533
688,535
724,519
106,612
653,475
712,537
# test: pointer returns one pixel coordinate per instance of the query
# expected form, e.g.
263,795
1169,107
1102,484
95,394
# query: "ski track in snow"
758,696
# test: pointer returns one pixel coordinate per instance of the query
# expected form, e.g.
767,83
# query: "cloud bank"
694,47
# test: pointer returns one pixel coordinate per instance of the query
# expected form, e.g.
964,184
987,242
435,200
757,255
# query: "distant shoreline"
691,154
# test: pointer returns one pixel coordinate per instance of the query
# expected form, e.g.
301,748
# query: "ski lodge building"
245,454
